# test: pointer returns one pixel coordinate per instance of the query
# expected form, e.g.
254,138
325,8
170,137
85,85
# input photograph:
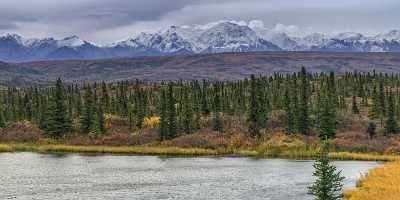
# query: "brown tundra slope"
225,66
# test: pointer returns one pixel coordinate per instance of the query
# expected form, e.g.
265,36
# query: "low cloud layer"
103,21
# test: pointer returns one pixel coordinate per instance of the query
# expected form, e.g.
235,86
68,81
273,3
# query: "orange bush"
151,122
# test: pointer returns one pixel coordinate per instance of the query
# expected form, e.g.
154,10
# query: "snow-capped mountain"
221,36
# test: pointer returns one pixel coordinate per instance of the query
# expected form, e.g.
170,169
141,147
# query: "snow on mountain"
228,36
72,41
391,35
314,39
220,36
40,42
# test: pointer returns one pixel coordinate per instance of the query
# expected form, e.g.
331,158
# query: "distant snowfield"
216,37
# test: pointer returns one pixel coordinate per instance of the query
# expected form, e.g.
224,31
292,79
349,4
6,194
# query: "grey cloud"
106,20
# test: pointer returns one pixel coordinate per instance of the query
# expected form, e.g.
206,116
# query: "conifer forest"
206,114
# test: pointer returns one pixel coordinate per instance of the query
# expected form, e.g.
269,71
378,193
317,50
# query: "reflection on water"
27,176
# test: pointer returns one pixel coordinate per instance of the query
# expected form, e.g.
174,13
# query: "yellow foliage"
380,183
151,122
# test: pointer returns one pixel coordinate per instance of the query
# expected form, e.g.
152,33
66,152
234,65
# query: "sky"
105,21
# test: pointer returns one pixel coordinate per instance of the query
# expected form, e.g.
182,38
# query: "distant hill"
222,66
218,37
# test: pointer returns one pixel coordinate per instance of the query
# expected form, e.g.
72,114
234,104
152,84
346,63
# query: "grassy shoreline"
380,183
177,151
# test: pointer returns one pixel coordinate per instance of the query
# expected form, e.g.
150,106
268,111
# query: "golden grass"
363,156
107,149
128,150
5,148
380,183
275,152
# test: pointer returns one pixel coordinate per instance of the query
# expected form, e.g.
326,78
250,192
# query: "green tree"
205,111
329,183
253,116
303,121
2,120
371,130
217,122
58,123
328,120
105,99
87,118
163,130
288,106
172,128
98,121
391,126
187,113
354,107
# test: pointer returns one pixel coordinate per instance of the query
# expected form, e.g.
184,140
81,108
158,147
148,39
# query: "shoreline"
187,152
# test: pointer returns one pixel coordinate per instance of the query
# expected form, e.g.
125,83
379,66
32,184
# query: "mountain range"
216,37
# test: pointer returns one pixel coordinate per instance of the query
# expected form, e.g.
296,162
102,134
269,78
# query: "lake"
32,176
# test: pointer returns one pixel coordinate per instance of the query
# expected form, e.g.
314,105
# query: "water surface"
32,176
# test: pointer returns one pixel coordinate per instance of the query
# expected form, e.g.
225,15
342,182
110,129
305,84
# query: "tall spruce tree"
87,118
303,121
253,115
290,124
187,113
2,119
217,122
205,110
391,126
163,130
327,123
354,107
172,122
58,123
329,183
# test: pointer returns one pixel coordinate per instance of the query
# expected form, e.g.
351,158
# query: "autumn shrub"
22,131
151,122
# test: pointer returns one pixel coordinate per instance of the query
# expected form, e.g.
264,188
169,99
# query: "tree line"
309,101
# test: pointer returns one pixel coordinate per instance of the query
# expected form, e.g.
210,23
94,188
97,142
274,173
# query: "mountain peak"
71,41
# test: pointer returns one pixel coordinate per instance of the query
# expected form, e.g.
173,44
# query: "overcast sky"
104,21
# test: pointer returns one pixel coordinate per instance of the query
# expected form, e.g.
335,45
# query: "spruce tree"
253,115
217,122
172,125
303,117
163,130
327,121
354,107
99,120
205,111
58,123
329,183
87,118
391,126
371,129
2,120
105,99
187,113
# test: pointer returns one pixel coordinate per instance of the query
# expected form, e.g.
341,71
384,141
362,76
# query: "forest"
358,112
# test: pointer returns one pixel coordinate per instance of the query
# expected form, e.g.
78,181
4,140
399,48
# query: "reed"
267,152
149,150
